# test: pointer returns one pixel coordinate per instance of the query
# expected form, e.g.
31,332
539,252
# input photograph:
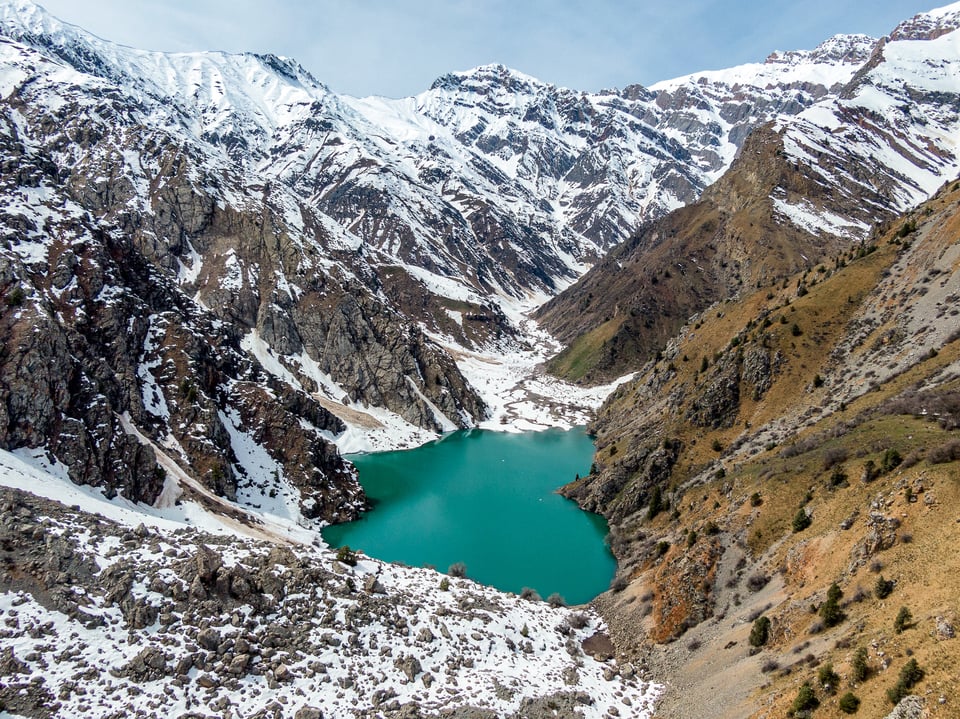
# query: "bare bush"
834,456
619,583
578,620
752,616
941,406
946,452
757,581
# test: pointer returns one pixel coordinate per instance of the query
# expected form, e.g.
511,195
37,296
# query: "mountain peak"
839,49
25,20
929,25
485,77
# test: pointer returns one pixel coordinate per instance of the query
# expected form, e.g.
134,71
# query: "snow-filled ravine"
510,379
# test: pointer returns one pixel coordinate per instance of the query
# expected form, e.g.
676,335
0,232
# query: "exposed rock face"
910,707
881,534
102,342
626,486
684,595
182,214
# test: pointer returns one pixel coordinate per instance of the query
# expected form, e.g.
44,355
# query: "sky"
397,48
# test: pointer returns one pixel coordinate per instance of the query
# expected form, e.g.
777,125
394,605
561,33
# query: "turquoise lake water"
486,499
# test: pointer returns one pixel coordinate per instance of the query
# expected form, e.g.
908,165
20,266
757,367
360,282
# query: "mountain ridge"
217,274
873,149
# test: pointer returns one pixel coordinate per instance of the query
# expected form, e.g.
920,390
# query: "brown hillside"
835,395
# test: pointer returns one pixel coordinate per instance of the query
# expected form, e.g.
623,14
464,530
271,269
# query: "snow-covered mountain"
350,249
801,189
217,274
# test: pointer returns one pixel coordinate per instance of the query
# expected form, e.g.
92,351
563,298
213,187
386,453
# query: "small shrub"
859,670
817,381
830,611
909,676
555,600
883,588
838,478
694,644
903,620
711,529
801,520
906,228
662,548
891,460
524,631
795,330
445,584
457,569
849,703
347,556
805,702
760,632
828,678
15,297
911,673
755,499
529,594
770,665
656,502
691,538
716,446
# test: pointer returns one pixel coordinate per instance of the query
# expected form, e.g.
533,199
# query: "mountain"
799,437
217,275
351,248
802,188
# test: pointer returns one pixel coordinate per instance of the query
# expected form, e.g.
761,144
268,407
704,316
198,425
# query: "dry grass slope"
835,393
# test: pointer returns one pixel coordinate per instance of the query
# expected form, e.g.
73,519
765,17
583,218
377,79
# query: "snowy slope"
182,610
893,131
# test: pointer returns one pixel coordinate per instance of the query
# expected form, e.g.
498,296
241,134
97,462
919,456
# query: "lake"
486,499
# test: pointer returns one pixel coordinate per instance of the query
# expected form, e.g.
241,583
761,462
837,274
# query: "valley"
219,277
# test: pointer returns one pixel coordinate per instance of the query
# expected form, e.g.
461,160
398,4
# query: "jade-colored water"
486,499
